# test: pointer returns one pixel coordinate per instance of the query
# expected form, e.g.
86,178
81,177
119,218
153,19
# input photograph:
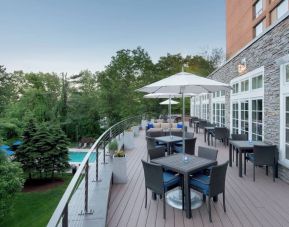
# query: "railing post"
65,216
104,153
96,166
86,188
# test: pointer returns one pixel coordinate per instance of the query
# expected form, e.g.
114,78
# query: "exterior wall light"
242,66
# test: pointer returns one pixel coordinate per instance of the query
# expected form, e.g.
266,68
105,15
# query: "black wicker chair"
211,185
263,156
159,182
239,137
220,133
208,153
202,124
156,152
190,145
152,144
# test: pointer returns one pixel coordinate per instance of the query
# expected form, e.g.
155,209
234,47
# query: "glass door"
244,117
287,129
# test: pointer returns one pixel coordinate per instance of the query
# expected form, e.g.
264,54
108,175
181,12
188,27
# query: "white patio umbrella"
185,83
169,102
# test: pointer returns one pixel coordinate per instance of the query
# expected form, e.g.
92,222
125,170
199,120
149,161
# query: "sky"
73,35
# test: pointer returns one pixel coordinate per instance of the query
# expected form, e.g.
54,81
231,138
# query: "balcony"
259,203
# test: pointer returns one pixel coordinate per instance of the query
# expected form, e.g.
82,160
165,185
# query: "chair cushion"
170,179
200,182
250,157
179,125
174,125
161,143
165,125
178,149
150,125
157,125
178,144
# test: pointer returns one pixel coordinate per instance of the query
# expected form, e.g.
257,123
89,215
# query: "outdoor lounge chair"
263,156
211,185
159,182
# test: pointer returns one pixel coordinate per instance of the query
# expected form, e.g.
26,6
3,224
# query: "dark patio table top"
169,139
246,144
177,163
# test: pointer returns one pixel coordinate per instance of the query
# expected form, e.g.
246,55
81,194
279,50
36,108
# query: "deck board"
259,203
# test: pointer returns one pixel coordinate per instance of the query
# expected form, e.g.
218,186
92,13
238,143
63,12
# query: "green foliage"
119,154
34,209
11,181
44,150
113,146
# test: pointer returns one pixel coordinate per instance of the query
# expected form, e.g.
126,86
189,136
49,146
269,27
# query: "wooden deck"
260,203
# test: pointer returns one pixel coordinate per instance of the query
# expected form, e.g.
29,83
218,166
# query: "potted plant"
135,130
119,168
112,147
128,139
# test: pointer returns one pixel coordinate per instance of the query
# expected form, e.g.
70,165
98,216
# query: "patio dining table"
169,140
185,165
243,147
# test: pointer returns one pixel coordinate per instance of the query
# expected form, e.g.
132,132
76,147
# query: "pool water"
79,156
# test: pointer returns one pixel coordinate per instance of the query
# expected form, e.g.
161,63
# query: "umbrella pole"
170,115
183,119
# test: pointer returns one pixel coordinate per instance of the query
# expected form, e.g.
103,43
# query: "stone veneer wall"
263,52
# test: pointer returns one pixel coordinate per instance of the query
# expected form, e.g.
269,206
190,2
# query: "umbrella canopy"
169,102
17,143
184,83
166,95
4,147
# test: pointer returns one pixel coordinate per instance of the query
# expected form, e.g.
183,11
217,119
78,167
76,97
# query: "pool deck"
260,203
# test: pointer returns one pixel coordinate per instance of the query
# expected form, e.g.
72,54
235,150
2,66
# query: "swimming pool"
78,156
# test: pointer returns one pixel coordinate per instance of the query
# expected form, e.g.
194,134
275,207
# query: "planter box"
144,123
119,170
128,140
135,130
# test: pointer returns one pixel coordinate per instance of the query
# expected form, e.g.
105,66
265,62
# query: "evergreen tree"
25,152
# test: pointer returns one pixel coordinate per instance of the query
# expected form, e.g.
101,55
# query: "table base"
174,199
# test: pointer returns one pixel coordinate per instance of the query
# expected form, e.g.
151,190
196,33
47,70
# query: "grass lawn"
35,208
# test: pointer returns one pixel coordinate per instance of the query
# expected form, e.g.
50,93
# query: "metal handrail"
61,211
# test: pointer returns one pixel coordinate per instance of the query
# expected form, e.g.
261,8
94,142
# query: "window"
258,8
245,86
222,93
235,118
279,11
245,117
219,114
282,8
257,82
235,88
257,119
287,72
259,28
287,129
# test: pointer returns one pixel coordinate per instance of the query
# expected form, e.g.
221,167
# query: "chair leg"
274,174
245,166
237,158
204,198
267,170
146,197
164,204
233,155
210,215
254,172
224,202
215,142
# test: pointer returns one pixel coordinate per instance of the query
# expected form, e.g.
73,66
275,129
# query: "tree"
127,71
44,150
25,152
11,181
